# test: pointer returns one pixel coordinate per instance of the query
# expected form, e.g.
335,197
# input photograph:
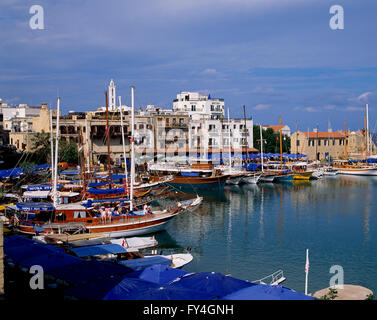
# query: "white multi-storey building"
208,127
196,103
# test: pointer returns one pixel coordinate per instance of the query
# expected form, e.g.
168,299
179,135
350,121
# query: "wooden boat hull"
203,183
285,177
302,175
126,227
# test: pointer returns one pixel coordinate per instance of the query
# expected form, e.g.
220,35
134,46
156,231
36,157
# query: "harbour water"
251,231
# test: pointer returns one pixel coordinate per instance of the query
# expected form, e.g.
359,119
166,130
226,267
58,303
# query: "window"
319,142
79,214
193,107
298,143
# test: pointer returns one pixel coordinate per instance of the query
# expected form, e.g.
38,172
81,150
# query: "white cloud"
262,107
209,71
311,109
351,108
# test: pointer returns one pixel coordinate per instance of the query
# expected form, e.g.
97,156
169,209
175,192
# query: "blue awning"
88,251
35,206
42,187
106,191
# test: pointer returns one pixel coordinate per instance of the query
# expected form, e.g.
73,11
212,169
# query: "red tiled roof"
325,134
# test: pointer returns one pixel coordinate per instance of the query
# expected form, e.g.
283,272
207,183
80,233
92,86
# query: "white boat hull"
136,232
233,181
252,179
359,172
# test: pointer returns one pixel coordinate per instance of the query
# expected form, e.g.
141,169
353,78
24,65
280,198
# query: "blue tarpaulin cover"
159,274
266,292
91,270
142,263
114,288
162,293
216,285
106,191
96,250
50,260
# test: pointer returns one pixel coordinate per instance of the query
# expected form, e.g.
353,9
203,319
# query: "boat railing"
273,279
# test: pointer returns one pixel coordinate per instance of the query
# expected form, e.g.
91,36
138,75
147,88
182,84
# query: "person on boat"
103,214
108,214
145,209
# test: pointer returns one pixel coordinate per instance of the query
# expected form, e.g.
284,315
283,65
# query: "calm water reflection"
259,229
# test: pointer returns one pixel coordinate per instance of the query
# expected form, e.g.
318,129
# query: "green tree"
68,152
41,147
271,140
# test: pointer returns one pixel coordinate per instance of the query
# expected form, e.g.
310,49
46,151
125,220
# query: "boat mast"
108,139
132,147
345,138
230,151
261,145
245,131
366,141
281,146
367,130
87,147
52,148
123,143
56,153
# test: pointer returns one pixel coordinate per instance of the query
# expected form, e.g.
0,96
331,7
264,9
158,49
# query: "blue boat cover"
113,288
216,285
70,172
91,270
97,184
160,274
142,263
50,260
266,292
106,191
96,250
27,253
35,206
163,293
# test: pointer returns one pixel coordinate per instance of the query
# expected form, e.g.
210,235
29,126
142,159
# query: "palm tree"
42,146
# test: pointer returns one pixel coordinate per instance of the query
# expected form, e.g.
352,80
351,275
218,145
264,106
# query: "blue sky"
277,57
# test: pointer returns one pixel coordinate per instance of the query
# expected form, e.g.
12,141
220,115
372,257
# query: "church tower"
112,96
